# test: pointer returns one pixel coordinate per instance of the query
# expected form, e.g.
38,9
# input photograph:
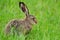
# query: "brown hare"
22,26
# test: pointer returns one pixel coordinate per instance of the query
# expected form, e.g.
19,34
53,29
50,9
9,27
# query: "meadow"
47,13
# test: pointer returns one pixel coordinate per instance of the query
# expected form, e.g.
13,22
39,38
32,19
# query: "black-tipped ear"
24,8
21,3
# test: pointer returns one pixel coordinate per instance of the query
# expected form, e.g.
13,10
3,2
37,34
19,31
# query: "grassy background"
47,13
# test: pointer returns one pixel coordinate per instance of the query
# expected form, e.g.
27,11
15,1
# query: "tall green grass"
47,13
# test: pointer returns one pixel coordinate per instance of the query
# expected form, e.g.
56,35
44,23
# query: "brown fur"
22,26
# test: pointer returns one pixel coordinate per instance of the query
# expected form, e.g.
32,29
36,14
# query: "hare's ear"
24,8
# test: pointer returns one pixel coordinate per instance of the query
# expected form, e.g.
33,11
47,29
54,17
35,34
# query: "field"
47,13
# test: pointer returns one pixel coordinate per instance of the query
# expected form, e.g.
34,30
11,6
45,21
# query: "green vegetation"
47,13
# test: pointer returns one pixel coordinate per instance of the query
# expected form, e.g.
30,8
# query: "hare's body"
22,26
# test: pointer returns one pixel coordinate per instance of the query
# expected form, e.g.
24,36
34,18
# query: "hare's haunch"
22,26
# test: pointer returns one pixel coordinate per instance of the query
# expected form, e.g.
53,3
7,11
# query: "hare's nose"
35,21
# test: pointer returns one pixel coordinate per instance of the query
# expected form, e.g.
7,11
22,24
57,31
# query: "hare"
22,26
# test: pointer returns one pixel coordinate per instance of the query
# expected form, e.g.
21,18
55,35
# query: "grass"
47,13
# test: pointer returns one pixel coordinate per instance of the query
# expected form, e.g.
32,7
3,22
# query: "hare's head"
29,17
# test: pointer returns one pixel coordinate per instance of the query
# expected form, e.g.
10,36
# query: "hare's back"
16,23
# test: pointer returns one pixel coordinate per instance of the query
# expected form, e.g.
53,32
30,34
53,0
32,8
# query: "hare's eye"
33,18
